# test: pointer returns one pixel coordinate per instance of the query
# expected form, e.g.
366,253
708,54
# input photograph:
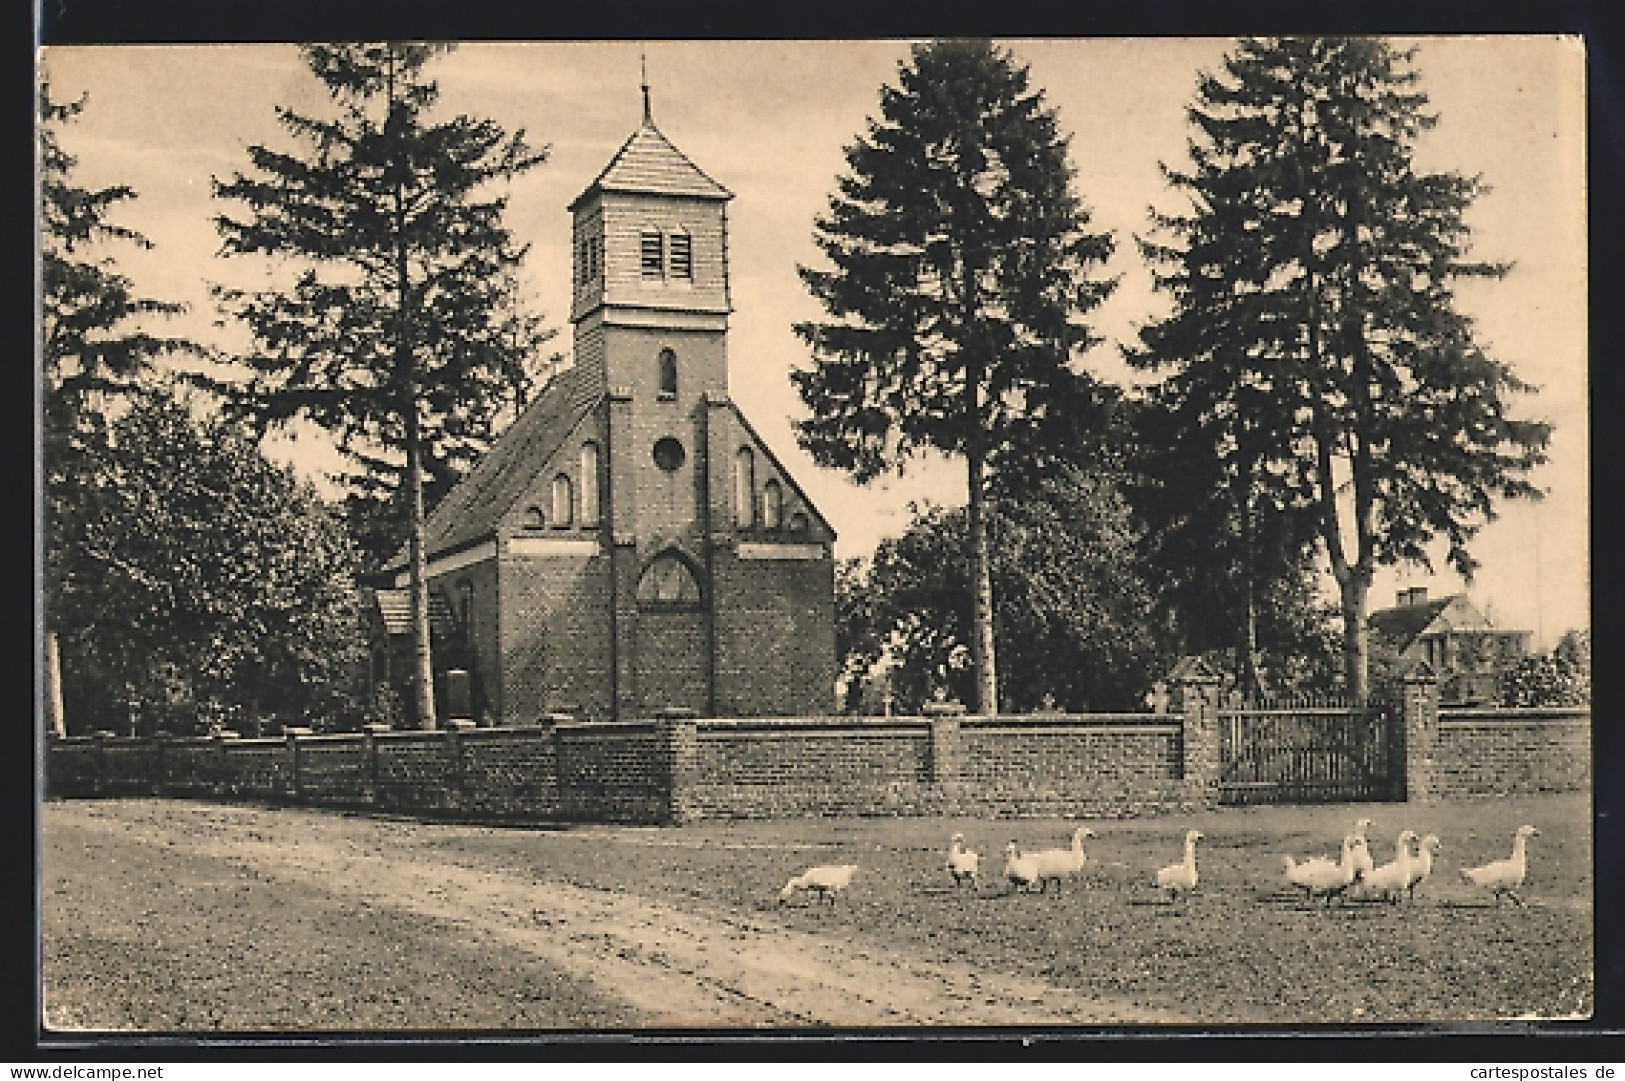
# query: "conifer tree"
97,343
961,266
1315,324
396,331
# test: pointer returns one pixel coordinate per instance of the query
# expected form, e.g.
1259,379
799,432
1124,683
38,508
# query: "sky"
769,120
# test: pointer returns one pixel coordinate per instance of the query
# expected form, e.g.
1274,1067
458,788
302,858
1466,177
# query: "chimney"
1413,596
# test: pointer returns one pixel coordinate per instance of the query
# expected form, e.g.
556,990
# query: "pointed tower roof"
648,164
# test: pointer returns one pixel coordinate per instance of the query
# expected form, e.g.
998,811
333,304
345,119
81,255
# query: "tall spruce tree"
397,332
1315,319
961,269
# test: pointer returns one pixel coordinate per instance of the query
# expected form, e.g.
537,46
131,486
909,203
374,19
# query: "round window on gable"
669,454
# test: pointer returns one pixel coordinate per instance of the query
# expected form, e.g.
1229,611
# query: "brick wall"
619,772
671,770
511,773
259,768
335,770
815,765
1483,751
1095,764
192,767
775,636
131,767
556,636
413,772
670,667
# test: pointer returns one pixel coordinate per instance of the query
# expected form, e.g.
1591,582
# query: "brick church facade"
630,544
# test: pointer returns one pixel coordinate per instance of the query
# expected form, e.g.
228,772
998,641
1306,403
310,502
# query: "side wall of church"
555,632
775,636
483,648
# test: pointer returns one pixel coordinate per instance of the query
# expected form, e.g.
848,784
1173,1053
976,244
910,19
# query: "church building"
630,544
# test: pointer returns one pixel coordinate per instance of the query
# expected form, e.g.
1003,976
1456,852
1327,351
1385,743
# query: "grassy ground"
1243,949
163,914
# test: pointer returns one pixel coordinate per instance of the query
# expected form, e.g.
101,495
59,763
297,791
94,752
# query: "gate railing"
1298,752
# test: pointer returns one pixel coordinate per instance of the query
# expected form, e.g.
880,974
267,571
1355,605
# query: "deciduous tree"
207,574
1072,605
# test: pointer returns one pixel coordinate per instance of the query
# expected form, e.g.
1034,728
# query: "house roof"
647,163
395,611
1404,623
471,510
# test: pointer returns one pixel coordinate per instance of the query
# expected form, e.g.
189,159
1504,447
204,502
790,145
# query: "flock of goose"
1317,876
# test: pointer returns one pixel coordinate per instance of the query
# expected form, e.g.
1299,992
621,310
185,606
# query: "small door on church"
671,648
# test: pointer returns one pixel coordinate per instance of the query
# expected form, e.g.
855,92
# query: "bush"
1559,678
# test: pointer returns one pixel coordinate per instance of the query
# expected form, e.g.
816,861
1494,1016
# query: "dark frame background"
63,22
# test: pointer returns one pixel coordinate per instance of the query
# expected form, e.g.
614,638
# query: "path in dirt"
690,966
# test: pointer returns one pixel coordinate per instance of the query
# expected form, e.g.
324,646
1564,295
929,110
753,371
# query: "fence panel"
1307,753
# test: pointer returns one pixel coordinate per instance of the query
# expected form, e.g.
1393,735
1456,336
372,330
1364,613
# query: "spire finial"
648,115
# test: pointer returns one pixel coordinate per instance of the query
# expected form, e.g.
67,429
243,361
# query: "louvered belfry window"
653,252
682,256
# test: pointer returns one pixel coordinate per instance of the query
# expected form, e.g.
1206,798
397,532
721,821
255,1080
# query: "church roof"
395,611
647,163
471,510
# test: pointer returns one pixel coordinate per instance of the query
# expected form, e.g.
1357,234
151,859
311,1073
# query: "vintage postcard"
777,535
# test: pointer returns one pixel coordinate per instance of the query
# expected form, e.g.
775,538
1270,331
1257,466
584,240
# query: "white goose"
1179,879
1320,875
1422,866
826,881
1504,877
1363,863
1388,880
963,864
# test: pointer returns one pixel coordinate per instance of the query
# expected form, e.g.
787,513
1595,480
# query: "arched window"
745,488
772,505
534,518
668,579
668,373
798,523
563,498
589,483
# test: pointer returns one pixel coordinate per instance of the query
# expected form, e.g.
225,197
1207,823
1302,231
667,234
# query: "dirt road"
182,916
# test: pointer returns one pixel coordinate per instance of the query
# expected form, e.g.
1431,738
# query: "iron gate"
1310,753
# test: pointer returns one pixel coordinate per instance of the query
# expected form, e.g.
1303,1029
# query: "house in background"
630,544
1456,640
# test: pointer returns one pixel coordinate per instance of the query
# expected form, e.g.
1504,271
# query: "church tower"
630,545
651,269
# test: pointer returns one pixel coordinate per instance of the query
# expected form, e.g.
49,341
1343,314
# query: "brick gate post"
1419,709
680,747
1196,699
946,751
